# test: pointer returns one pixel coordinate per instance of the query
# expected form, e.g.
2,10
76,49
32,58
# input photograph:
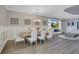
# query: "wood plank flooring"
56,46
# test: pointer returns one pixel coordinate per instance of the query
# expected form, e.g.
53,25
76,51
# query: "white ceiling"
53,11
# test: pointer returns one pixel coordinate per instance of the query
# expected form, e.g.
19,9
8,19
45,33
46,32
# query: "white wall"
22,16
63,25
8,30
70,29
6,15
3,15
3,22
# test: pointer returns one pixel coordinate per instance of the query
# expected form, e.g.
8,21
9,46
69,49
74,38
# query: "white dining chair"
50,35
33,38
42,37
18,38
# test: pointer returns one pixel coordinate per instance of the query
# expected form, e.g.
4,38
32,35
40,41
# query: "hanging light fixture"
37,19
37,12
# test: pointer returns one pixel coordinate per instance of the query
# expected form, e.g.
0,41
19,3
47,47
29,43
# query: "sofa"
70,36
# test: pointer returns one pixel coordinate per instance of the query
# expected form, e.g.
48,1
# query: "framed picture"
37,23
14,20
72,23
27,21
68,23
77,24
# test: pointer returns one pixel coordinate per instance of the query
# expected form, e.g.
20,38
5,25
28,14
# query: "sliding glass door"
55,25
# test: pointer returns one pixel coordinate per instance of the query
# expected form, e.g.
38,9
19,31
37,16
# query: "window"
55,25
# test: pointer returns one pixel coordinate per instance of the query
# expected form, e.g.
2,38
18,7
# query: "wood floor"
56,46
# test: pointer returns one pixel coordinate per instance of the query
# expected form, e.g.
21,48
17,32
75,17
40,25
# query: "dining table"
26,35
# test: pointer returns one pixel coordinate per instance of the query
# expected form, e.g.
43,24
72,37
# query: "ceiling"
52,11
73,10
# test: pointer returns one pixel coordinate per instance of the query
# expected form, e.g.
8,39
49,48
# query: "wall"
3,23
70,29
63,25
7,28
22,16
3,15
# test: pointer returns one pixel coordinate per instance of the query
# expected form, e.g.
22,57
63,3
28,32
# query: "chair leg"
44,41
27,42
48,39
15,44
24,42
36,43
40,41
31,44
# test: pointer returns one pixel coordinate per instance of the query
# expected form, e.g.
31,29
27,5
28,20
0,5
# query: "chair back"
51,33
43,34
33,36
